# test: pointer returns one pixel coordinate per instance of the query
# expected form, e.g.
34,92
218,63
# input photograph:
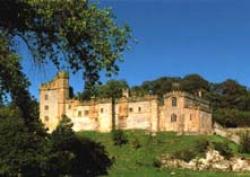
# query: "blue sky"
175,38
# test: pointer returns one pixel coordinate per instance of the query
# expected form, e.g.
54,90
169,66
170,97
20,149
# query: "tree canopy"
74,33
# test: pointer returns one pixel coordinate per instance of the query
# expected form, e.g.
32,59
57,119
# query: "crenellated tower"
53,96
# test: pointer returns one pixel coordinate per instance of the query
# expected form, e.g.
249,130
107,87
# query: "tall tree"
76,33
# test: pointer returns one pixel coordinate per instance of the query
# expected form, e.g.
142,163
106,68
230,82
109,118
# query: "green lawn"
131,162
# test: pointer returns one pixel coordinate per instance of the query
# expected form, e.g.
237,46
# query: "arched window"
174,102
173,118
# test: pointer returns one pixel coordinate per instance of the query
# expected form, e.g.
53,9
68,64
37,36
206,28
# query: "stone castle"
179,112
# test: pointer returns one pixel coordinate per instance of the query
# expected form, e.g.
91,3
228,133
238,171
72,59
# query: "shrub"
136,143
157,163
201,146
245,142
223,148
119,138
186,155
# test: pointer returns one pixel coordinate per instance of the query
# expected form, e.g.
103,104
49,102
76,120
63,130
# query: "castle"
179,112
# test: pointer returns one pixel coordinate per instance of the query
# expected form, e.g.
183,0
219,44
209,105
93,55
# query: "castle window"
191,116
130,109
139,109
46,97
174,102
79,113
46,107
101,110
46,118
173,118
86,112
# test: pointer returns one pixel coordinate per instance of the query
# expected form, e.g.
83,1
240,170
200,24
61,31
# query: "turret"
53,96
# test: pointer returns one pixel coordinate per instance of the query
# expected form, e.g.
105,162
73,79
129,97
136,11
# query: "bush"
157,163
223,148
201,146
186,155
245,142
198,149
136,143
119,138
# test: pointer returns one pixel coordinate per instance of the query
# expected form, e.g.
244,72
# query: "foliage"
223,148
199,148
186,155
136,143
21,152
111,89
74,156
201,145
86,36
232,117
119,138
245,142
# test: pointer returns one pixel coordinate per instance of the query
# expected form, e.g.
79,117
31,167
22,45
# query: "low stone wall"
232,134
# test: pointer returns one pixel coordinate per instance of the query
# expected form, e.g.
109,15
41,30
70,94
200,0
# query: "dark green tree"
74,156
21,152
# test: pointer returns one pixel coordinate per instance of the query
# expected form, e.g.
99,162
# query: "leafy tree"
193,83
21,152
86,36
74,156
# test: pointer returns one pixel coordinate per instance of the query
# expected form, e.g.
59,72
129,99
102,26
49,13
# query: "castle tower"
53,96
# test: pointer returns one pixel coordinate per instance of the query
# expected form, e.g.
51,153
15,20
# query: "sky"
175,38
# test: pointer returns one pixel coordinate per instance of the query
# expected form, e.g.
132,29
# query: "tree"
21,152
193,83
74,156
86,36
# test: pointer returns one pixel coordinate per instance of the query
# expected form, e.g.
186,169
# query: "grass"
132,162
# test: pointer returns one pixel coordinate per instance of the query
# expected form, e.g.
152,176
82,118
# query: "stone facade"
179,111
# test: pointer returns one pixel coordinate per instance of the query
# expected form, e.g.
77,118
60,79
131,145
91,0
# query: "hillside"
137,158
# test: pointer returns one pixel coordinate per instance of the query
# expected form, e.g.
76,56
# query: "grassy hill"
138,162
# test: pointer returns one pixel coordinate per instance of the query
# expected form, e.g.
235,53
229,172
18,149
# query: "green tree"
86,36
21,152
70,155
193,83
